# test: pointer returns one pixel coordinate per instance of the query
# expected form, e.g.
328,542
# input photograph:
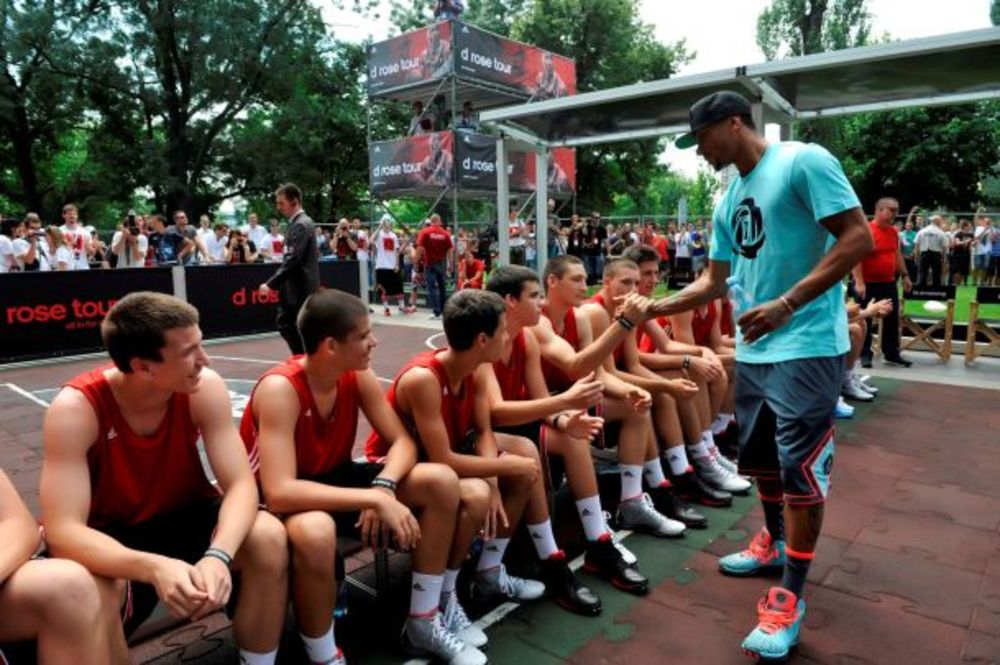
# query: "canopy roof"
944,69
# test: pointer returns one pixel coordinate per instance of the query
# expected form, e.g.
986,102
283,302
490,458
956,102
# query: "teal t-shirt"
767,227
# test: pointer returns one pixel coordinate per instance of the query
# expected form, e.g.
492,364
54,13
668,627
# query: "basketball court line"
272,363
27,395
429,344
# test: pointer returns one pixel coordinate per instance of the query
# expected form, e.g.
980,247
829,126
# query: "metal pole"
541,209
503,202
454,175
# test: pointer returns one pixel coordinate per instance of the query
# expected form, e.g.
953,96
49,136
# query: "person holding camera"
344,245
129,244
240,249
30,246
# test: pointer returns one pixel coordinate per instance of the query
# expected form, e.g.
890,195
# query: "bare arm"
700,292
402,454
211,411
18,530
576,364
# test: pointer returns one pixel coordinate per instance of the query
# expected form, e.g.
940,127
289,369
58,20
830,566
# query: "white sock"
677,458
698,450
448,586
709,441
652,470
320,649
425,593
251,658
543,538
631,481
592,517
492,554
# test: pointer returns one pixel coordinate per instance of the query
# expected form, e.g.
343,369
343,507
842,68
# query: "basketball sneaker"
763,556
457,622
427,636
779,618
496,582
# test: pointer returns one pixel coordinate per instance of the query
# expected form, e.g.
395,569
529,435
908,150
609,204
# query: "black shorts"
183,534
353,475
19,653
785,413
389,281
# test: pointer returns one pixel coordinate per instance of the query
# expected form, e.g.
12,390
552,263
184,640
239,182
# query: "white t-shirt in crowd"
78,240
516,229
386,245
682,241
361,239
64,256
979,247
6,254
21,247
932,239
216,247
256,234
274,246
125,254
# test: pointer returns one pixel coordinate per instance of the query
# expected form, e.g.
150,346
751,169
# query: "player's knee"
522,447
439,486
313,537
67,595
475,499
266,546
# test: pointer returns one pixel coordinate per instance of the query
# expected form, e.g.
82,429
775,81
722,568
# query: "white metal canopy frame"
954,68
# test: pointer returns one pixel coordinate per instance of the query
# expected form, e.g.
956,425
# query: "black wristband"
384,483
687,362
221,555
625,323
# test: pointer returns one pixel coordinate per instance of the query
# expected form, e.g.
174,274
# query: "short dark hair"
470,312
747,121
290,191
510,280
615,266
558,265
136,326
641,254
329,313
8,224
158,218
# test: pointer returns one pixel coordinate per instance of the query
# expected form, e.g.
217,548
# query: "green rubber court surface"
907,571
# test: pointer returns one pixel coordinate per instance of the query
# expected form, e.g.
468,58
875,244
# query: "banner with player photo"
414,163
538,73
562,171
414,57
475,156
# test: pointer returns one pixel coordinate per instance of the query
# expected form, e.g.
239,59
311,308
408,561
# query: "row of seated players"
461,448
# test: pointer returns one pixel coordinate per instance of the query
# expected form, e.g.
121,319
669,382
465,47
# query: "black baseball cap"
711,109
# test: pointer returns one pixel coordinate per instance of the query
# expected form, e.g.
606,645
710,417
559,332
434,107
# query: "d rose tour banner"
431,162
437,50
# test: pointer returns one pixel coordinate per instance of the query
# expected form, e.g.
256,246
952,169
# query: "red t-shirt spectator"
467,270
436,242
661,247
880,265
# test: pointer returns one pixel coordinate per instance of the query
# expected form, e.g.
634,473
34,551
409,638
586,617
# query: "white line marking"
27,395
429,344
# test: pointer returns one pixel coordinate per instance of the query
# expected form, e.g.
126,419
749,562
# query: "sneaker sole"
577,609
706,500
769,659
649,531
638,590
771,570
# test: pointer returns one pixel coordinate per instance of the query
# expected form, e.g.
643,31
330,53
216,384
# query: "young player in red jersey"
123,490
442,397
674,416
565,339
51,608
299,429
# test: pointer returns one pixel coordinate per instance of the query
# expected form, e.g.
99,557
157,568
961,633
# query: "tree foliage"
995,12
800,27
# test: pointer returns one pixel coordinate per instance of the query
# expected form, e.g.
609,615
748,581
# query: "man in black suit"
298,276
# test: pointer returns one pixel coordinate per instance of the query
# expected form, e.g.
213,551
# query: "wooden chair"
923,335
988,329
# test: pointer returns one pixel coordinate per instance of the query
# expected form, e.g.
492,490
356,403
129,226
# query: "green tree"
995,12
800,27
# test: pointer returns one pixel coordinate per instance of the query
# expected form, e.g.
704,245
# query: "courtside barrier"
990,330
925,334
48,314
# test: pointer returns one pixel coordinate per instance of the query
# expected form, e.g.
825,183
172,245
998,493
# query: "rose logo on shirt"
748,228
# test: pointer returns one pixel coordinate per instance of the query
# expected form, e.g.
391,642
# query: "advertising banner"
562,171
59,313
537,73
420,55
412,163
229,303
931,293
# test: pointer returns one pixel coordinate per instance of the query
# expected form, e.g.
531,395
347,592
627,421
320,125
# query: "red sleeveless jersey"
510,375
321,444
620,349
134,478
456,410
646,343
726,322
701,324
556,379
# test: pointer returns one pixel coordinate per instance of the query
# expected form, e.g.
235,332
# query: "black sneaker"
565,589
667,502
693,489
604,559
866,363
898,361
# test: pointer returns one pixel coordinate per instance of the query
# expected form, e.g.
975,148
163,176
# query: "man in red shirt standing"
434,246
876,277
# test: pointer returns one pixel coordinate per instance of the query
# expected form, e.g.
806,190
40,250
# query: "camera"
131,224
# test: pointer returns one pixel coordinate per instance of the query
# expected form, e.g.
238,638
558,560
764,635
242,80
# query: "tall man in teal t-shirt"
790,227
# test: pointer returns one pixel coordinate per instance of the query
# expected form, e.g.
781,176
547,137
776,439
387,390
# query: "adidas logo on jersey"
112,434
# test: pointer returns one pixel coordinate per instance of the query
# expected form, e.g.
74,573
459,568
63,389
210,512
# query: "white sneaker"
456,621
728,464
851,389
843,409
713,473
616,540
496,582
639,514
863,382
427,636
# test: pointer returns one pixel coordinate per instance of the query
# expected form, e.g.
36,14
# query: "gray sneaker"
718,477
639,514
496,582
727,464
851,389
456,621
427,636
